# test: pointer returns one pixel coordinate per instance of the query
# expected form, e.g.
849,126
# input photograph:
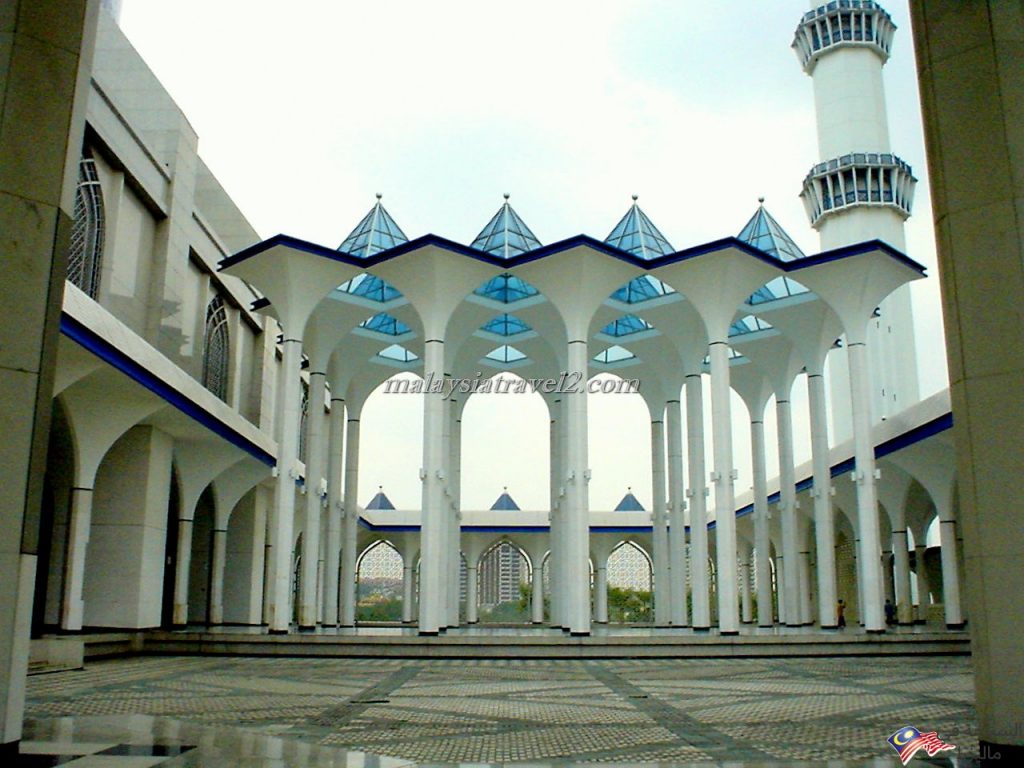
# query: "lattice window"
86,253
216,349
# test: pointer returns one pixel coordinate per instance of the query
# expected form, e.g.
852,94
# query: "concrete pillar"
950,574
923,587
537,595
762,541
901,577
183,565
787,510
350,519
72,607
697,494
780,587
663,587
218,562
746,604
434,530
555,442
332,555
968,59
46,47
677,524
577,513
806,615
725,492
601,591
869,554
455,548
472,593
315,448
408,590
824,519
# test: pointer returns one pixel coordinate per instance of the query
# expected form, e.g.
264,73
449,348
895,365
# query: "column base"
310,628
277,631
9,750
564,629
765,626
579,634
830,627
536,623
601,622
793,626
702,629
1000,754
959,625
920,621
346,626
428,633
729,632
471,623
875,631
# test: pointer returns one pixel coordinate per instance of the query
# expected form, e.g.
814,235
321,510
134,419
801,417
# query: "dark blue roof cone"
380,501
505,502
506,234
629,503
764,233
636,234
375,233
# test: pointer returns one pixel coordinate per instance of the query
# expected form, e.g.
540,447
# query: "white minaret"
860,190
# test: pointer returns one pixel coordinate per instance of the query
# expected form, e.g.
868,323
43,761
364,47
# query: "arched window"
86,252
303,420
216,349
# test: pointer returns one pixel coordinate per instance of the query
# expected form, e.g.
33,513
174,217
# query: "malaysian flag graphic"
908,740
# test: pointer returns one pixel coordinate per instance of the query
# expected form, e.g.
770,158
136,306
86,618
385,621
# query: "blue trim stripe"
110,354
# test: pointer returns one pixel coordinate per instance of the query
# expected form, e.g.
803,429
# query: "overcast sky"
305,110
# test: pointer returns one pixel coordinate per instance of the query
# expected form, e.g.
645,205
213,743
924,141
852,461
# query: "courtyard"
395,712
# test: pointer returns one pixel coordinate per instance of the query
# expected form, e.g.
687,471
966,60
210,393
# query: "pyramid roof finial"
636,234
506,234
376,232
766,234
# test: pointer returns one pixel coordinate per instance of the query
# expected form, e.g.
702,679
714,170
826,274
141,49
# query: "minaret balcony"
859,179
861,23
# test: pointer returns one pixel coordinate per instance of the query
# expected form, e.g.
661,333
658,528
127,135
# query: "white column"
950,574
725,495
557,473
283,513
472,593
182,564
72,607
901,568
313,499
780,587
677,522
601,591
805,586
697,493
746,604
663,587
577,517
870,552
455,548
434,532
350,520
824,521
923,586
408,589
537,596
787,510
762,540
332,557
218,562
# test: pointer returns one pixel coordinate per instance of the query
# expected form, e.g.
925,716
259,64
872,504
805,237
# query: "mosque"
204,454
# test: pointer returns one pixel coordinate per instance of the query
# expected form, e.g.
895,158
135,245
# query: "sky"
571,107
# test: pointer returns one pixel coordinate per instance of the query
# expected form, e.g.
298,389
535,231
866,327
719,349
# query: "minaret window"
86,253
216,349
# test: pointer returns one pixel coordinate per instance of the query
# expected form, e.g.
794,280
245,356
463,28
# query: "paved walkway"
543,712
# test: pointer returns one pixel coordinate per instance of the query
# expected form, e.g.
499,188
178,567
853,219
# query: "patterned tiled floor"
551,711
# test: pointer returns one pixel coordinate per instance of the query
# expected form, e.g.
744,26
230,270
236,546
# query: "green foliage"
629,606
380,609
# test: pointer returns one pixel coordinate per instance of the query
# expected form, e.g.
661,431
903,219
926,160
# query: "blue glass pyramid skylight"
626,325
764,233
398,353
636,234
641,289
506,234
505,502
384,323
748,324
370,287
507,289
375,233
629,503
506,325
380,501
506,354
614,354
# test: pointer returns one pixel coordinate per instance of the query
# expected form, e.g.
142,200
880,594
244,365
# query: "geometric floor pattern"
542,712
